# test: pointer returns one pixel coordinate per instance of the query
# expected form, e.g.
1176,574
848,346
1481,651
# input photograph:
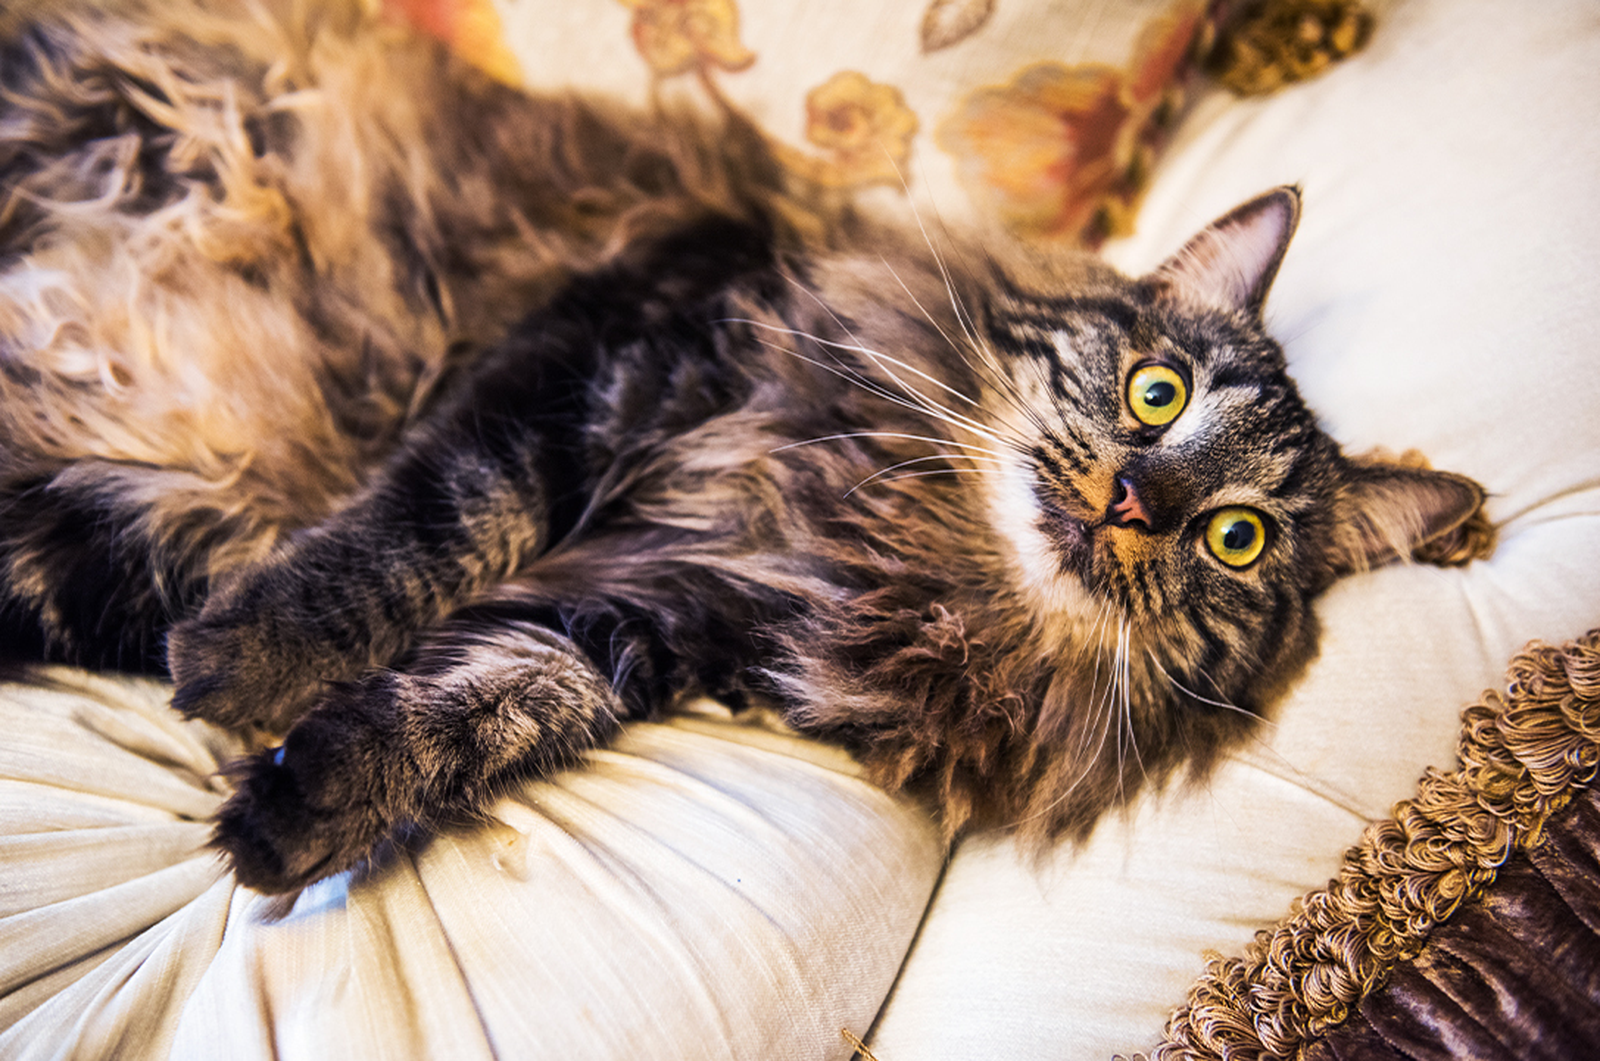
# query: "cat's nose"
1127,509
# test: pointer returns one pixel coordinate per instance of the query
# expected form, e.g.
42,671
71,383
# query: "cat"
435,429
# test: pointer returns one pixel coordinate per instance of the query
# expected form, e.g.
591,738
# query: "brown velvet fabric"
1514,975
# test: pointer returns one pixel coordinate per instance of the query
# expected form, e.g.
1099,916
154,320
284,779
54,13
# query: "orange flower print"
1045,149
677,36
1162,50
1064,152
865,127
471,28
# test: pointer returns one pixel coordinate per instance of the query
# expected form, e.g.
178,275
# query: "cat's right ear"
1388,509
1231,264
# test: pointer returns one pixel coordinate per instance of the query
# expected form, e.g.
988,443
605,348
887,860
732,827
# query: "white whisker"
1116,692
872,387
1127,698
1005,385
875,476
962,317
856,346
1097,635
992,369
1089,761
847,374
996,454
859,348
975,342
922,402
1207,700
926,475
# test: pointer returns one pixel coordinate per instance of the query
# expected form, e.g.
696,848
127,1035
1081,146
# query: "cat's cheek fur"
1037,563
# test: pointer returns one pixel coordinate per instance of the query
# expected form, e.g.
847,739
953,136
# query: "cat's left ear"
1231,264
1385,510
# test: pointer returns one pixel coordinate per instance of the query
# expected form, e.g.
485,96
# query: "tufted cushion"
709,888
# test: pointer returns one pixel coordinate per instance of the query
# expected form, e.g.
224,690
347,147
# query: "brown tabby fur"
441,427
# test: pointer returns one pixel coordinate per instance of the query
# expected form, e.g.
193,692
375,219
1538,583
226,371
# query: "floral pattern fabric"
1064,152
679,36
1040,116
1053,150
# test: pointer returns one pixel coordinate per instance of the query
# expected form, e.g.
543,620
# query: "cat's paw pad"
296,816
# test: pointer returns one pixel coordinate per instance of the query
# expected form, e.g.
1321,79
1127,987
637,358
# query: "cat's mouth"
1068,535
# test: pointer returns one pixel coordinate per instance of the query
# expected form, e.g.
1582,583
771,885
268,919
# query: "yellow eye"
1236,536
1157,394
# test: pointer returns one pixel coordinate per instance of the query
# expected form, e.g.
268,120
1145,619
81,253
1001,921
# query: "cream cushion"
1440,294
710,888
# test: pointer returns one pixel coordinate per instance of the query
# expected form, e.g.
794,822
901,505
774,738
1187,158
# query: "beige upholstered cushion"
708,888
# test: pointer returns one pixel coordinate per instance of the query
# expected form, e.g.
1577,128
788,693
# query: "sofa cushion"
710,887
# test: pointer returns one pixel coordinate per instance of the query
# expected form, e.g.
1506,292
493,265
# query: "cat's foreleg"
353,592
476,705
465,503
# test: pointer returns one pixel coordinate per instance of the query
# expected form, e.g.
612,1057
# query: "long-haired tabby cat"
440,428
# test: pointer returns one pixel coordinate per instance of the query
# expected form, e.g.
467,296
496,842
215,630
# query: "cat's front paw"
297,815
244,661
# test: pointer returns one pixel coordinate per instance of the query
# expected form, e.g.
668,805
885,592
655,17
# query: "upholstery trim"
1523,756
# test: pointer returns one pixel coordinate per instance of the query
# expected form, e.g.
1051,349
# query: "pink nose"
1126,508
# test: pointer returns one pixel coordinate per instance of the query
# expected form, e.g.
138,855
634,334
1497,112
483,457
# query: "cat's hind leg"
477,704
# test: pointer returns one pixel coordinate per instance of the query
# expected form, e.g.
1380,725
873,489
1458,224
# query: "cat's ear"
1385,510
1231,264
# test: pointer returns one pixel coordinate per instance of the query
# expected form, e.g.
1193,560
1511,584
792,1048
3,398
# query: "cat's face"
1166,479
1164,490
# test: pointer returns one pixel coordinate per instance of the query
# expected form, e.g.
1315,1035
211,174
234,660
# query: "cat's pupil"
1239,536
1160,394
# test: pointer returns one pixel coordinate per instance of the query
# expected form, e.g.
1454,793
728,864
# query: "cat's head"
1165,490
1123,576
